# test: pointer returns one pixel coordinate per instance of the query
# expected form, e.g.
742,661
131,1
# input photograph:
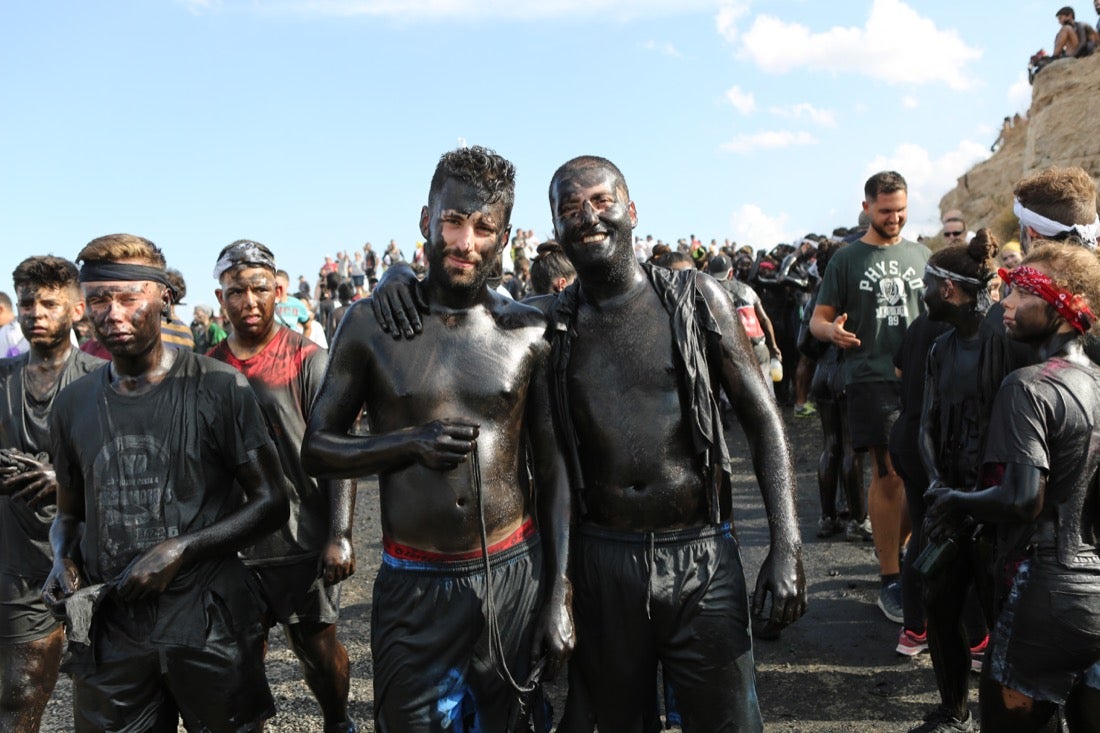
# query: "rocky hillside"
1061,128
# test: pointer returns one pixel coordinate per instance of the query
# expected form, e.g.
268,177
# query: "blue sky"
314,125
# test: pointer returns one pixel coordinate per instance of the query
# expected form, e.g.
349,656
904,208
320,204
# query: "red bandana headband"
1037,283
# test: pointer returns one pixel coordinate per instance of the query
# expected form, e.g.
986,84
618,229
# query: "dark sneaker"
910,643
941,721
829,527
889,601
977,655
859,531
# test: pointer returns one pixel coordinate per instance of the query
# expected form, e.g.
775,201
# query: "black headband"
106,271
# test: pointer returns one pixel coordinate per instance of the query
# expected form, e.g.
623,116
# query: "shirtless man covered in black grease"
451,417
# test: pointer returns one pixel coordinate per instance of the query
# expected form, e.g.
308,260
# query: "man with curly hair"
473,580
48,303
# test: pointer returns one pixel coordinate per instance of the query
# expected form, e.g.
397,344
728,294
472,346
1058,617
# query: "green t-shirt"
880,289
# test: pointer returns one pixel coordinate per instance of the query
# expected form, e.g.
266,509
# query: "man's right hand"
397,302
62,582
443,444
842,337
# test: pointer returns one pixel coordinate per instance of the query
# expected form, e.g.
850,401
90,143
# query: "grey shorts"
1047,636
296,592
873,408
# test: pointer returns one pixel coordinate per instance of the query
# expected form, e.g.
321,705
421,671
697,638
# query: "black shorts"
433,670
24,616
124,682
677,597
296,592
873,408
1047,636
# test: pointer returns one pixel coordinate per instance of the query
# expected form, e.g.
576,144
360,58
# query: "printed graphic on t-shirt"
131,476
888,282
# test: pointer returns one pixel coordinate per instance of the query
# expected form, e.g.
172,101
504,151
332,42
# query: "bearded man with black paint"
472,588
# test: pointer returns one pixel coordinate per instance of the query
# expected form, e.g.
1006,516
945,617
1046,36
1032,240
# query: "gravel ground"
835,671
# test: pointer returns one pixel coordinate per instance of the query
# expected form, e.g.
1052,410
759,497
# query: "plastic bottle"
777,369
936,556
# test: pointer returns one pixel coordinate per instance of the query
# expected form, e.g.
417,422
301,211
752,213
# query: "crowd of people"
170,493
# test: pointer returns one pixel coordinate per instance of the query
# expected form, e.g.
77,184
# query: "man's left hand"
941,521
338,561
782,576
150,573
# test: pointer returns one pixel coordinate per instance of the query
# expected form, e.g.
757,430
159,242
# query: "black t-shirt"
1000,356
912,359
286,376
24,425
158,464
1047,416
953,408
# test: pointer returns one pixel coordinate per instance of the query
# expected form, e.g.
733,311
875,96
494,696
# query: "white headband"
1087,233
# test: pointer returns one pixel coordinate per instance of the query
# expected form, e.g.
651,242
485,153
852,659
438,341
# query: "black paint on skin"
126,316
946,593
476,376
635,443
248,294
640,467
28,670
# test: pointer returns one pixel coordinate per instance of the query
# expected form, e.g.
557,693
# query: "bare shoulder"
512,314
359,321
712,290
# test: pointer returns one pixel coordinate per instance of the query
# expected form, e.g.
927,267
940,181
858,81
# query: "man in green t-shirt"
870,293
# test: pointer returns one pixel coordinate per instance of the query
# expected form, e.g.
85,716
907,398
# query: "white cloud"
750,225
1019,94
896,46
909,102
407,10
743,101
929,179
823,117
664,48
771,139
726,20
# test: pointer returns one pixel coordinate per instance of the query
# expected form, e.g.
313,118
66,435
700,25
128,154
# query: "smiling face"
248,295
464,235
888,213
47,314
593,217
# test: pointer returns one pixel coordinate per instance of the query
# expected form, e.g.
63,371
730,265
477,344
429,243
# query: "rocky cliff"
1062,128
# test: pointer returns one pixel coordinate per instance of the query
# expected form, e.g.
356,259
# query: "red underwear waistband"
403,552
